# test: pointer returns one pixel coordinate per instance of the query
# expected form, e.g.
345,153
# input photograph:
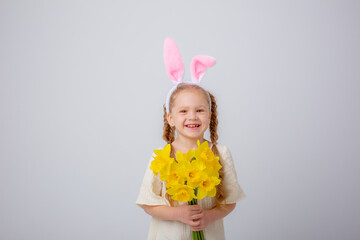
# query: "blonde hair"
169,133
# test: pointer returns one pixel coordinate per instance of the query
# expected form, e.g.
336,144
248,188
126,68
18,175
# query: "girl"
189,111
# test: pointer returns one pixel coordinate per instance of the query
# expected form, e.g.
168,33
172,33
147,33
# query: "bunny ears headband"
175,67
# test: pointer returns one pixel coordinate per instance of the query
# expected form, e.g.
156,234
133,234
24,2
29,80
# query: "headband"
175,68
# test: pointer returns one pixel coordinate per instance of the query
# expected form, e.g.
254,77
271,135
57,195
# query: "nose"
192,115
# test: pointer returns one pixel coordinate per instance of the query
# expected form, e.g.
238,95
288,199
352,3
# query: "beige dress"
151,193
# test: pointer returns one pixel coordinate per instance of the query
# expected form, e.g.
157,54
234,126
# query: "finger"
195,223
197,216
196,209
193,212
196,228
195,206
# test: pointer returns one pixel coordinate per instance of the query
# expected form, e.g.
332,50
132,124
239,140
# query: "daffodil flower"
162,162
209,160
207,187
181,193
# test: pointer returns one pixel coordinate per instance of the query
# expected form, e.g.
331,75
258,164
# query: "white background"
82,84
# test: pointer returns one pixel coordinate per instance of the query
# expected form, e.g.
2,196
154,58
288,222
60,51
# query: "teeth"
193,125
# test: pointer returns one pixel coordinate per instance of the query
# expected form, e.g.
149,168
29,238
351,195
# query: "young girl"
189,111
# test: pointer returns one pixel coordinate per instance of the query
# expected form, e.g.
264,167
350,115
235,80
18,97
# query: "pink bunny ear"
199,64
173,63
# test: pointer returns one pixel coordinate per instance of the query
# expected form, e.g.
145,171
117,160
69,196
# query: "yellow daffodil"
203,151
207,157
182,193
175,175
183,160
207,187
191,170
162,162
194,175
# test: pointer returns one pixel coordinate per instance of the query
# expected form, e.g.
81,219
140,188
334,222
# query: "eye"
200,110
182,111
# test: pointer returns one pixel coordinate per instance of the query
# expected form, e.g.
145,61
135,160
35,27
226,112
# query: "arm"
212,215
161,211
185,213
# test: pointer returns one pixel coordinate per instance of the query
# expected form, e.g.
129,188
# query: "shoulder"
223,149
225,154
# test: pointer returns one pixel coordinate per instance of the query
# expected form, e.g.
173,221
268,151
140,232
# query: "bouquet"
191,177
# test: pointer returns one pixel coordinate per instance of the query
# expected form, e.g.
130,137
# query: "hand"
211,215
189,214
201,223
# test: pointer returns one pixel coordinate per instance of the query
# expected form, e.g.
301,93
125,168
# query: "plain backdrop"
82,85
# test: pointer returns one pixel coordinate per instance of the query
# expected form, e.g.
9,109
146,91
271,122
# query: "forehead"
190,98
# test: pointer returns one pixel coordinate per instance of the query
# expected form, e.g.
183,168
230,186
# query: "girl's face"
190,114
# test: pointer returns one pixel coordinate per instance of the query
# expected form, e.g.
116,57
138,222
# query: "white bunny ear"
199,65
173,63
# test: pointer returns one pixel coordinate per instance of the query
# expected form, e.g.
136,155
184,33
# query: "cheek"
180,119
205,119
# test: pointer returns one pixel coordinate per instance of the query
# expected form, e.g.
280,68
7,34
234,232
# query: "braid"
213,120
214,137
169,132
169,137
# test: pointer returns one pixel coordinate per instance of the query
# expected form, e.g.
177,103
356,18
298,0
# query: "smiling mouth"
192,125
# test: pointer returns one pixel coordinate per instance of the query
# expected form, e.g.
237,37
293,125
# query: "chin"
195,136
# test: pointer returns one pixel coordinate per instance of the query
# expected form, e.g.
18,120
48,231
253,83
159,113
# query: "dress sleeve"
151,190
232,190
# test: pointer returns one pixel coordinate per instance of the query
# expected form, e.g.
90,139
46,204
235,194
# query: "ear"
199,65
170,120
173,62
